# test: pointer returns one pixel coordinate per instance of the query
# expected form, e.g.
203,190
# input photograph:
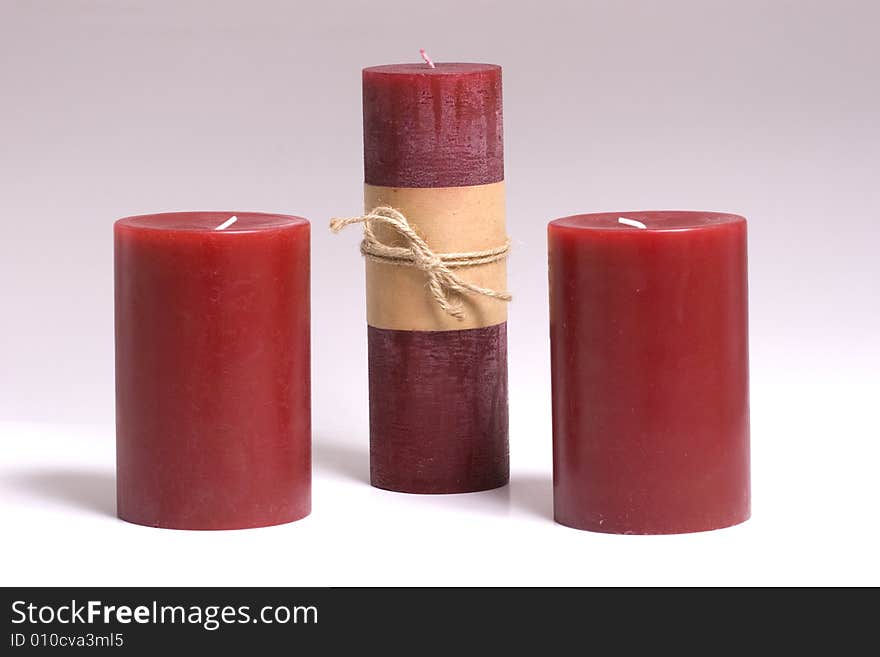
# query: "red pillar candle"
433,148
649,348
212,370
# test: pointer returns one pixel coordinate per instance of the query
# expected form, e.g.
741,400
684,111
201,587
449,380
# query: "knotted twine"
442,281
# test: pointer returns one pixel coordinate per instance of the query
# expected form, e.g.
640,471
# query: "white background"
768,109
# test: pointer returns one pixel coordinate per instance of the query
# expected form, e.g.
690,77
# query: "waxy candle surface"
649,349
212,370
441,402
433,127
438,399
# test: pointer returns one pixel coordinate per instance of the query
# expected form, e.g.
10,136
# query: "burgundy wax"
433,127
438,422
212,370
438,409
649,348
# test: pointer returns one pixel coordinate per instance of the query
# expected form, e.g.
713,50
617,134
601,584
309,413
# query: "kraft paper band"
445,285
450,220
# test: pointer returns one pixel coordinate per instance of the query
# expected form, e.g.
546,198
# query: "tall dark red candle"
649,348
433,146
212,370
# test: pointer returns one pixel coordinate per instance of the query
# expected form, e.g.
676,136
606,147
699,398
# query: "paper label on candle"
450,220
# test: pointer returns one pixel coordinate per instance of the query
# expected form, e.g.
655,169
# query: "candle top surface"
440,69
647,221
212,222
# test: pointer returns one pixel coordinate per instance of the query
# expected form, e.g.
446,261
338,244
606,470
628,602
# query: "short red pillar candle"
212,370
438,394
649,349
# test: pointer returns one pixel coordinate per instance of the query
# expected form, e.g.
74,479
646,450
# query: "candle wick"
426,58
631,222
226,224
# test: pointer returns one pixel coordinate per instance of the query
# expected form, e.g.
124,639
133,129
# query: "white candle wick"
226,224
631,222
426,58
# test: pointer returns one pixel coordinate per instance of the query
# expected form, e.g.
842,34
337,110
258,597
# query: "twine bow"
442,281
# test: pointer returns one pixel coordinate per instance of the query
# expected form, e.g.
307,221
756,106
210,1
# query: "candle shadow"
86,490
346,461
533,494
528,493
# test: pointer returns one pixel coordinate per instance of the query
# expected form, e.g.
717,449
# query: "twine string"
443,283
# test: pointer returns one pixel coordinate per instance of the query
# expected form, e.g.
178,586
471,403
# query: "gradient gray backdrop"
768,109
